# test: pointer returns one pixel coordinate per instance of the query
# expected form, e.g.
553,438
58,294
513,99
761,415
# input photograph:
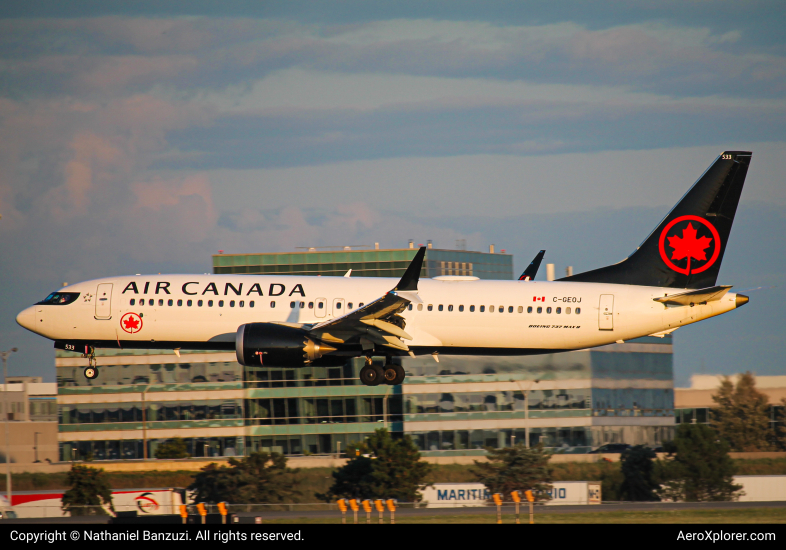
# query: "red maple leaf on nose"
688,246
131,323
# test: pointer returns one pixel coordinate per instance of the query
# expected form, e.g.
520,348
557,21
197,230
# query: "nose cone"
26,318
741,300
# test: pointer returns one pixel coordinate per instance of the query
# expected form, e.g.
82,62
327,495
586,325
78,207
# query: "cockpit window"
59,298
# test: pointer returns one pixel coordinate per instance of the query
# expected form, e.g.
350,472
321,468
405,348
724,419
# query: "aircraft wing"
378,322
710,294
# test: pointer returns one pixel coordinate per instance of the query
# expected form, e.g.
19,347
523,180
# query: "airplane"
668,282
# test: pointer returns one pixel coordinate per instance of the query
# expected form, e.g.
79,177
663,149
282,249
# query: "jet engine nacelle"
277,345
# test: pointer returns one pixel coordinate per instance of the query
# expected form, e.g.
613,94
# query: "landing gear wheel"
91,373
371,375
394,374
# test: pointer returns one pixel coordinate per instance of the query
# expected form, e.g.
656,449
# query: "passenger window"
231,303
199,303
510,309
502,309
430,307
471,309
567,311
221,303
450,307
338,305
440,307
132,302
521,309
180,302
578,310
169,302
242,303
151,302
273,304
482,309
251,303
311,305
529,309
321,305
188,303
548,310
349,305
360,305
160,302
540,309
409,307
210,303
559,310
491,309
420,307
461,308
302,305
292,305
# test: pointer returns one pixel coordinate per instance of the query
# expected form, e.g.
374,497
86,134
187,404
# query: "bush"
381,467
261,478
638,469
698,467
89,492
174,448
517,468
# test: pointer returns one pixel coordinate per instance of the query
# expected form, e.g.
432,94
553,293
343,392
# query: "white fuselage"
443,323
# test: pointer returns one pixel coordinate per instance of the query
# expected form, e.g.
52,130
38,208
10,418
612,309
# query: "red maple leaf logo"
131,323
688,246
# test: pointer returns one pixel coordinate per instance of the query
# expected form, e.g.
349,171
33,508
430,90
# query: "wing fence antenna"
409,281
532,269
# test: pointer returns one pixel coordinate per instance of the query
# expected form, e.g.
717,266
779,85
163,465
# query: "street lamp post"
5,355
526,409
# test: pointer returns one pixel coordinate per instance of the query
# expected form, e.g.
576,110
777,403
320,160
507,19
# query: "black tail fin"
686,249
532,269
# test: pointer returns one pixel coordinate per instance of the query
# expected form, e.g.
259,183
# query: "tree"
380,467
741,417
89,493
174,448
698,468
261,478
638,470
781,425
517,468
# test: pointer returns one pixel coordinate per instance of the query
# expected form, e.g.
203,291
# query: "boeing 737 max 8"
668,282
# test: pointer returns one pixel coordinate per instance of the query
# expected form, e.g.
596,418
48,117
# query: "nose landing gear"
91,371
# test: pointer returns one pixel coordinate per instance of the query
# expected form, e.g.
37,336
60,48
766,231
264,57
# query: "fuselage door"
320,307
104,301
338,307
606,312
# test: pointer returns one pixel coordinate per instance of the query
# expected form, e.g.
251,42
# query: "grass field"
747,515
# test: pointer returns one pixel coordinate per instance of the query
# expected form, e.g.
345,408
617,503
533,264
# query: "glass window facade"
368,263
572,402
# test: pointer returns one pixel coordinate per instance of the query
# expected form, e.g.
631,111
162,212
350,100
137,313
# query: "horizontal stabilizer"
702,295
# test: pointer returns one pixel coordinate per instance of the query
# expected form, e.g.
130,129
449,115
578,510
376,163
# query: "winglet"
532,270
411,276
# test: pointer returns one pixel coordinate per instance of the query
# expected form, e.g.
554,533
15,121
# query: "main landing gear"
91,370
374,375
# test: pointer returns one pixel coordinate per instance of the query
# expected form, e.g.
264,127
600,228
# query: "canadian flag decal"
538,298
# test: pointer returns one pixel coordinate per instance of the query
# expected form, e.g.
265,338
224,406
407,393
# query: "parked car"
611,448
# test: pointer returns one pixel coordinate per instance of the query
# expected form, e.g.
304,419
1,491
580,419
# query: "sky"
142,137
